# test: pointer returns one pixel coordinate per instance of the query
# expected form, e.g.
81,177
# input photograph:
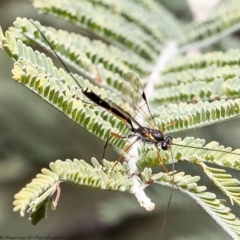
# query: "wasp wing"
134,94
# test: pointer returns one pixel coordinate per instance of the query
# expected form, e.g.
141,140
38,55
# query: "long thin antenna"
55,53
208,149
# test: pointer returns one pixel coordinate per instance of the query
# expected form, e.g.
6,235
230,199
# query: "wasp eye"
164,146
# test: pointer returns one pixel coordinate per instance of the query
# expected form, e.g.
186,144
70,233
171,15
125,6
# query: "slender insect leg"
169,201
166,212
170,124
161,162
107,141
173,123
105,145
117,135
120,157
124,151
170,198
90,103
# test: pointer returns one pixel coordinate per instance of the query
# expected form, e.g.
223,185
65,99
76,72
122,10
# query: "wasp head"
166,144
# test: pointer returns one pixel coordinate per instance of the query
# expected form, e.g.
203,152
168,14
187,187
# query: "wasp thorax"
158,136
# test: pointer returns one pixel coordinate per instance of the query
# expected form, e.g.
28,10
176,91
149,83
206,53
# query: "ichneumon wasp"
134,90
135,95
149,133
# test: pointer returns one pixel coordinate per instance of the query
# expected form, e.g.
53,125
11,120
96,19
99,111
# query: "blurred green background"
32,134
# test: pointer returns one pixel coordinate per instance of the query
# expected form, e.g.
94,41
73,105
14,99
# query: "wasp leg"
173,183
168,125
161,161
124,151
118,160
173,123
107,141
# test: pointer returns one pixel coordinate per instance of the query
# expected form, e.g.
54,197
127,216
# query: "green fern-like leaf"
223,22
184,151
225,182
56,87
203,77
122,33
82,53
215,207
191,117
169,26
38,192
136,46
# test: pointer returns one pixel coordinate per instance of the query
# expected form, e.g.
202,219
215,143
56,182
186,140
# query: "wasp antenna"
55,53
209,149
